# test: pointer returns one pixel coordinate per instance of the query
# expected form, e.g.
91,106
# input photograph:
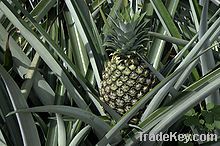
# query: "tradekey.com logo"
177,137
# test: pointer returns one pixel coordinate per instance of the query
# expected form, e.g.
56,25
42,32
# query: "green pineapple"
126,78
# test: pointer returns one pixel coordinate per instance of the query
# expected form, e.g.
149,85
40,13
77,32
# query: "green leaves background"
52,90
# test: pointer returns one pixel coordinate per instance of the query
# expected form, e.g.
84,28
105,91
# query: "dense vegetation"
99,72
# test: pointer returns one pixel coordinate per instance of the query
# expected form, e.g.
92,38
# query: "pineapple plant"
126,77
50,70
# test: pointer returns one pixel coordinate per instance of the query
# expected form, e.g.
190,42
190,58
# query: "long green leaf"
78,49
160,114
22,63
42,50
42,9
179,56
80,136
84,31
61,131
140,104
100,127
147,125
207,60
165,18
163,92
56,48
170,39
10,127
26,123
157,47
52,135
185,104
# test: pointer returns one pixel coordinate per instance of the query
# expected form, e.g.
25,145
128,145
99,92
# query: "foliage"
53,54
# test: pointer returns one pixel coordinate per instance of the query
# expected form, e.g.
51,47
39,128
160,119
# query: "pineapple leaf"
74,112
26,122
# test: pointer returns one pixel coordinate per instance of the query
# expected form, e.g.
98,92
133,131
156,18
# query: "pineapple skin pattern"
125,81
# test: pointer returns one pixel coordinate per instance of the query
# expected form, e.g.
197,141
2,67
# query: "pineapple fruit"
126,78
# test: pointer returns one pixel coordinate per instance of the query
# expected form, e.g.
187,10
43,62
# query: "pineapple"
126,78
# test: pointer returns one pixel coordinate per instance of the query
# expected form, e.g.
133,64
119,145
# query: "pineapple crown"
127,32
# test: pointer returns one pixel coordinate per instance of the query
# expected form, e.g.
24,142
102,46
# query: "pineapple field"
109,72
